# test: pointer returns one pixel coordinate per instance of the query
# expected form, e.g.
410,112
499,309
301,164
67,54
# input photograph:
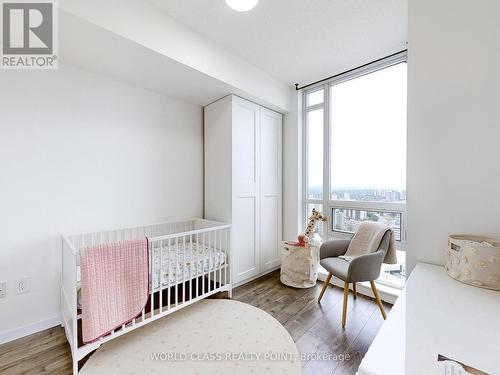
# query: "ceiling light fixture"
242,5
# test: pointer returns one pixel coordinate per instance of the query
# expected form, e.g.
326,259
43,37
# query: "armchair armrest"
366,267
333,248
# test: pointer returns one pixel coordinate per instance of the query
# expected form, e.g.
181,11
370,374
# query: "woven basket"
299,265
474,260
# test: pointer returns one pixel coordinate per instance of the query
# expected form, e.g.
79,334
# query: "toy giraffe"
315,217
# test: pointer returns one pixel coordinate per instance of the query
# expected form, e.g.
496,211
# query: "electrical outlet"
3,289
23,285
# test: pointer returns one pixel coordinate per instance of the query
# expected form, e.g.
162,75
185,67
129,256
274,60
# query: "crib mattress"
186,262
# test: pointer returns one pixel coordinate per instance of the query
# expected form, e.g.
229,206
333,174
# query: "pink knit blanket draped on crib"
114,287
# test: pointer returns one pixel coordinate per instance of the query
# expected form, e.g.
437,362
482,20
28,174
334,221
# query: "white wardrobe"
243,181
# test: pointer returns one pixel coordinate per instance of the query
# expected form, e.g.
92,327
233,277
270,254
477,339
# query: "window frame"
332,229
327,203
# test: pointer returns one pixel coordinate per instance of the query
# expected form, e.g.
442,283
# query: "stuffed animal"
303,238
315,217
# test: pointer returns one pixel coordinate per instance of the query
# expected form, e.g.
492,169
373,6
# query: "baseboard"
256,276
387,294
29,329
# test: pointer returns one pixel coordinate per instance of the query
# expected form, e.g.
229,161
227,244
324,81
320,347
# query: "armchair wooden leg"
354,290
344,308
377,299
327,281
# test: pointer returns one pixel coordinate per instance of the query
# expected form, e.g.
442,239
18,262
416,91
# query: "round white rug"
208,337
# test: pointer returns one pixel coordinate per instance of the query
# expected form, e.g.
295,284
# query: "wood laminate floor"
316,329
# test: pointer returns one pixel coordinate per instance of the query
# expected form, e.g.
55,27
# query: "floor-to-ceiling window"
355,153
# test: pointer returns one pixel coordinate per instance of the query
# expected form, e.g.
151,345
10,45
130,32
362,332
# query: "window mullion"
326,159
304,156
314,107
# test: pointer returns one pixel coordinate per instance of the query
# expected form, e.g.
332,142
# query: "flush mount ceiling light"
242,5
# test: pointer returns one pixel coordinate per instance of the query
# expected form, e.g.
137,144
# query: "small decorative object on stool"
474,260
300,260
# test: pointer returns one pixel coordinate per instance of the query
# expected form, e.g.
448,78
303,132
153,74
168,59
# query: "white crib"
203,241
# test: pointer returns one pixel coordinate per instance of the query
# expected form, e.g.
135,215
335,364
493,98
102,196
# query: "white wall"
81,152
453,123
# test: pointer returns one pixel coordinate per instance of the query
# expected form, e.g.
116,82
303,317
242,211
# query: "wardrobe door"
270,188
246,207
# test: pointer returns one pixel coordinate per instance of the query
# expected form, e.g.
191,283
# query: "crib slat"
203,264
197,264
151,244
226,240
213,250
191,267
161,276
208,261
184,253
168,275
176,271
220,258
215,247
214,263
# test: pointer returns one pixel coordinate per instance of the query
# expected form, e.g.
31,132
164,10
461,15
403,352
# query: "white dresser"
243,181
437,315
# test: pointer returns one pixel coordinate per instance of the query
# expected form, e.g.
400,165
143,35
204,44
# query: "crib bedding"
186,262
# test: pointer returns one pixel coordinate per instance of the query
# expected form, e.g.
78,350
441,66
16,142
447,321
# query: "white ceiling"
299,41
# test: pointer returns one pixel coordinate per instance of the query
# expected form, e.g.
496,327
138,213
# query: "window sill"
387,293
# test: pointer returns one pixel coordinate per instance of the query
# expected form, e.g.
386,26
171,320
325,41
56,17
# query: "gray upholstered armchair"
362,268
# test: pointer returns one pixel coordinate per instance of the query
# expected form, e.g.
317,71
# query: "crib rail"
189,261
79,240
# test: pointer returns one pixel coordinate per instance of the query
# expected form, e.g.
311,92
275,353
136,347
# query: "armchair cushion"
333,248
336,266
362,268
